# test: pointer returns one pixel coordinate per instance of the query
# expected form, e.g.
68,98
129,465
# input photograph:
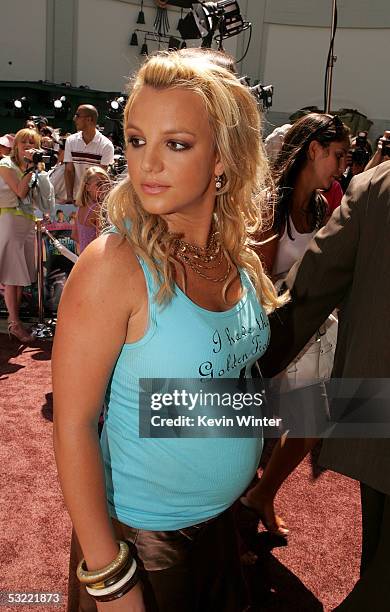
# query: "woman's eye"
135,141
177,146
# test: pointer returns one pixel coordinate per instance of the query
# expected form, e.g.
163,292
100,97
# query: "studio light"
117,104
134,40
174,43
115,108
141,14
21,107
263,94
61,106
144,48
188,28
59,103
206,18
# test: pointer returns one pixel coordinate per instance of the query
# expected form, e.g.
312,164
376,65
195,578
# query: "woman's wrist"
112,581
28,170
102,554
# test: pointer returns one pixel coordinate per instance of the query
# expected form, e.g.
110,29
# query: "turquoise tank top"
172,483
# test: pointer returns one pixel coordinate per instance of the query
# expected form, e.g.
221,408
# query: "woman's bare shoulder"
107,267
110,251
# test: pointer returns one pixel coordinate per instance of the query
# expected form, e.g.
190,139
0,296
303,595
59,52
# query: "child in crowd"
94,186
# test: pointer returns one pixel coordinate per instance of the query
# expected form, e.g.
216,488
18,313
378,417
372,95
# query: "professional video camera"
39,156
47,156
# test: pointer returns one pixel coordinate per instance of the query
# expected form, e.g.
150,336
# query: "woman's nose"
151,160
342,164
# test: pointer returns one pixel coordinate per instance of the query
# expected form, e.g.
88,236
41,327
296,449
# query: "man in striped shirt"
88,147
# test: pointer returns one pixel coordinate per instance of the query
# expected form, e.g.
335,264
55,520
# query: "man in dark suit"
347,265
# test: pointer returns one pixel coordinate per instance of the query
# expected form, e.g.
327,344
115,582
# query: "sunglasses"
338,125
78,115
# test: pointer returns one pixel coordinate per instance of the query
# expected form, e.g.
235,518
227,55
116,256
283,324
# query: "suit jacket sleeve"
320,281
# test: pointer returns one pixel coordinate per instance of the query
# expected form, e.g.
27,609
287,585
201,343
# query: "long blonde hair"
236,125
22,135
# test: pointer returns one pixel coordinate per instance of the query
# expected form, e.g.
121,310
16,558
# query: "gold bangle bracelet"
110,570
114,579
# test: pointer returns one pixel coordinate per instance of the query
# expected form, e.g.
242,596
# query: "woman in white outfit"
17,266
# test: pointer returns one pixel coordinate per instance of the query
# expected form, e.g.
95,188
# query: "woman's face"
96,187
171,154
330,163
24,145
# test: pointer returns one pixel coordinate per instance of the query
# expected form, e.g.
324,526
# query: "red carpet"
35,529
314,572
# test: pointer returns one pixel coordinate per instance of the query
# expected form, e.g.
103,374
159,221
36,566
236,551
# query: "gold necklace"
203,259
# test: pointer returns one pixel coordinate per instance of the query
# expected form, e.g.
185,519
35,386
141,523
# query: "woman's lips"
153,189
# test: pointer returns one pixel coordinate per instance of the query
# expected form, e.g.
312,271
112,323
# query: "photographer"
17,265
382,153
357,159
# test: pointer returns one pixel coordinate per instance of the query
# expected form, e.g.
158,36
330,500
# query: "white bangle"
114,587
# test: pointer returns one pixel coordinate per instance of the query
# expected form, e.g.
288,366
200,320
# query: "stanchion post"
40,330
41,310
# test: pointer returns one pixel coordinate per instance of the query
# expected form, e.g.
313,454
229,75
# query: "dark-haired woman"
313,155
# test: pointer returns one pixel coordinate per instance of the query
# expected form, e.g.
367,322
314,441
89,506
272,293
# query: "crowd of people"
204,238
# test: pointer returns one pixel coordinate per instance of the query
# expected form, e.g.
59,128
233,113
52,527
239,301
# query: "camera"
385,148
360,156
46,156
361,140
40,156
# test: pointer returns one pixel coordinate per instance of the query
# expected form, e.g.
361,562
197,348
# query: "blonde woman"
17,266
94,187
156,299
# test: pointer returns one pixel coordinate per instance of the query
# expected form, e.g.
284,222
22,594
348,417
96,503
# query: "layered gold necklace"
204,260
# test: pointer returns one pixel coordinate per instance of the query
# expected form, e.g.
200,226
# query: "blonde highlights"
20,136
239,204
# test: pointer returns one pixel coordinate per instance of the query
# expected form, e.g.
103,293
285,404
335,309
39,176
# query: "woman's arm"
267,249
19,186
92,326
75,231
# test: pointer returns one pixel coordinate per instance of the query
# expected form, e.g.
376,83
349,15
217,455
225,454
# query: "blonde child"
94,186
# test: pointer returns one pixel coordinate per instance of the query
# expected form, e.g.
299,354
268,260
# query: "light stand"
331,60
224,16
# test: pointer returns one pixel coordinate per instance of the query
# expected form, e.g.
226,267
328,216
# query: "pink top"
86,233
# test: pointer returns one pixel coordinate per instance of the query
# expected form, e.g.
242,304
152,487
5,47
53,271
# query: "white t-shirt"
57,179
8,198
98,152
274,142
290,251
